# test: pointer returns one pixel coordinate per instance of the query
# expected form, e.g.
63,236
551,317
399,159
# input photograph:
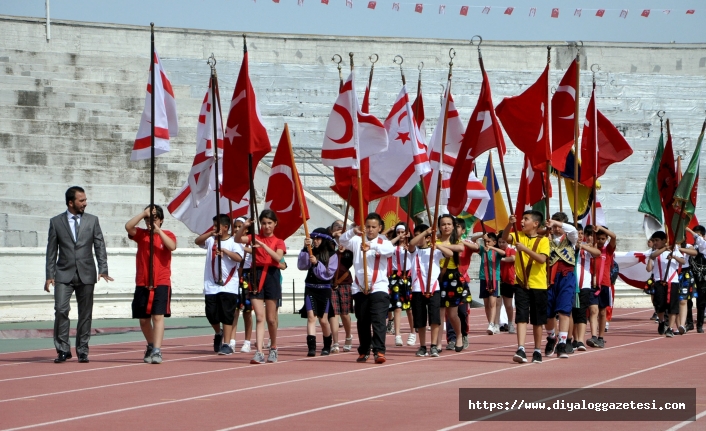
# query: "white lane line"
690,421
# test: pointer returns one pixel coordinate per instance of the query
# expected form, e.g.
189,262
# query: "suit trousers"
371,313
62,306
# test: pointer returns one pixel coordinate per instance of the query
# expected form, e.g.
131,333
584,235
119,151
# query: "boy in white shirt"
370,306
664,265
220,287
587,300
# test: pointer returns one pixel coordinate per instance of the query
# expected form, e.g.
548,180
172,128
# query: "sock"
538,351
521,348
551,333
232,342
562,337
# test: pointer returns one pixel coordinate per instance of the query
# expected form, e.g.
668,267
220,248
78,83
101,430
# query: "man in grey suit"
71,235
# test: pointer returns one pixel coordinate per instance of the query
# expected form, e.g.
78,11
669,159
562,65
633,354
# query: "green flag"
685,195
417,200
651,204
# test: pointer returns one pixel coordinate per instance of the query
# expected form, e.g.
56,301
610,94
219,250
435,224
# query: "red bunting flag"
555,12
577,13
283,190
276,1
442,9
372,4
600,13
645,13
624,13
418,7
464,10
324,1
245,134
533,11
486,10
690,11
509,10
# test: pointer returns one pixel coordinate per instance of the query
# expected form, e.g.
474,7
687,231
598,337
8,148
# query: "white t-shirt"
659,269
229,268
398,259
583,269
380,250
420,269
686,258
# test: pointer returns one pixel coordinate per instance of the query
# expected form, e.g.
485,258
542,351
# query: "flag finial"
480,42
598,69
245,44
394,60
350,55
661,120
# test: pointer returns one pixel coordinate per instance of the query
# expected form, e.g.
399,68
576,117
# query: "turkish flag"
530,192
691,11
645,13
526,121
601,145
482,134
283,189
276,1
600,13
555,12
464,10
509,10
563,112
245,135
372,4
324,1
418,7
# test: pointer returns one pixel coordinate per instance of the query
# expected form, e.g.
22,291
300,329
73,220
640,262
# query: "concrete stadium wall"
70,107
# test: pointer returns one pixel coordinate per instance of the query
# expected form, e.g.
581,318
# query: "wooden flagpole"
416,118
548,141
152,102
297,188
576,140
253,210
214,144
427,287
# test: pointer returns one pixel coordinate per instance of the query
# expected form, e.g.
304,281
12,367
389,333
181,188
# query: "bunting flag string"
464,10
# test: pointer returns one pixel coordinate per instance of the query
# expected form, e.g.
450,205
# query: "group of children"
557,275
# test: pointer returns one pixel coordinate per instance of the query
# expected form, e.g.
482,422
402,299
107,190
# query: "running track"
196,389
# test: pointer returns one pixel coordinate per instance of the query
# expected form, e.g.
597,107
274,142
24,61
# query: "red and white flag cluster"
165,121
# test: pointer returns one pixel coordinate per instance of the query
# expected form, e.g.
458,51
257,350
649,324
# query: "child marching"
400,281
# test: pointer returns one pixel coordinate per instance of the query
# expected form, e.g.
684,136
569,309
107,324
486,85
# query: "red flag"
482,134
645,13
600,13
563,111
667,184
324,1
555,12
509,10
690,11
418,7
418,109
525,119
601,145
276,1
530,192
464,10
372,4
245,134
282,196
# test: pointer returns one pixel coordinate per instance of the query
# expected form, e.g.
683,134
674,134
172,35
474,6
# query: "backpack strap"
528,270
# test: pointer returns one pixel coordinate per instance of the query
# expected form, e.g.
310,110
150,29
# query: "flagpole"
361,222
416,118
548,141
576,140
594,117
427,287
253,217
152,91
348,206
297,184
558,183
214,144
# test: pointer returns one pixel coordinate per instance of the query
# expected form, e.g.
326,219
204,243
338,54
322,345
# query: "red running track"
196,389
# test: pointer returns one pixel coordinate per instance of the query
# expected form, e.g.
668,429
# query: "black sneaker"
362,358
225,350
574,344
669,333
504,327
536,357
422,351
660,328
600,343
217,341
148,355
580,347
551,345
700,329
435,352
689,327
654,316
451,345
561,351
569,348
591,342
520,357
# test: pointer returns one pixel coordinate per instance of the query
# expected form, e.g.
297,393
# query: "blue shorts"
485,293
561,295
605,299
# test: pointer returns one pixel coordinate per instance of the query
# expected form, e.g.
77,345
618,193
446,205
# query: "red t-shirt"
507,269
609,251
162,258
262,257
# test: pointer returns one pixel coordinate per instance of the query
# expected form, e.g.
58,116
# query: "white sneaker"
496,329
348,345
491,329
246,347
412,339
511,329
398,341
233,344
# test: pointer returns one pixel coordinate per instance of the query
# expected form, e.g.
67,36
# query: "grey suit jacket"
78,255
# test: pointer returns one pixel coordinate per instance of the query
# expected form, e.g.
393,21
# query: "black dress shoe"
83,358
62,357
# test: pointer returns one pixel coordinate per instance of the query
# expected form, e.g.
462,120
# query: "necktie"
76,218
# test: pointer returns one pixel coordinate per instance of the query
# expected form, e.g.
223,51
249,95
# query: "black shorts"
220,308
318,300
664,299
426,310
605,298
271,285
507,290
579,312
530,306
146,303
